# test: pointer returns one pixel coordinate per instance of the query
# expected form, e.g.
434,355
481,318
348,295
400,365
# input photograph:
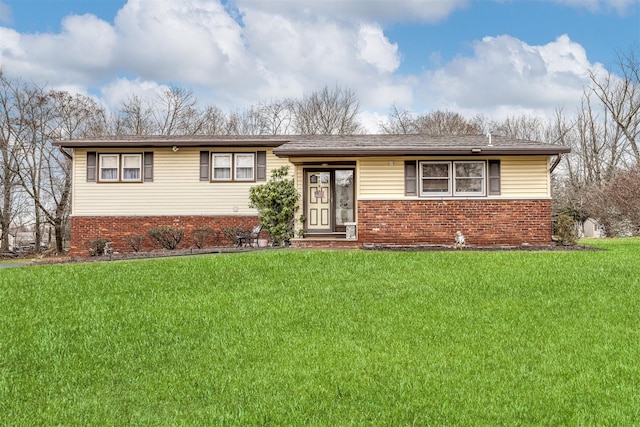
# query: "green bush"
166,236
566,230
277,203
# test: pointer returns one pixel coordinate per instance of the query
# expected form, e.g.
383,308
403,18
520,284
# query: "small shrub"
97,246
166,236
232,233
566,230
201,235
277,203
135,241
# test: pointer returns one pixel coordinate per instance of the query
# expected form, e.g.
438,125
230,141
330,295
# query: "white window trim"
119,167
233,173
483,191
101,156
421,179
452,179
253,166
140,170
213,166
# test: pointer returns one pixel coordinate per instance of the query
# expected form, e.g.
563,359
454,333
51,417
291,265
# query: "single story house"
355,190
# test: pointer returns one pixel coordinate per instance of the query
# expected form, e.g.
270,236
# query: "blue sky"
497,58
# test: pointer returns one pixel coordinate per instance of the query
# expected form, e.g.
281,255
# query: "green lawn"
294,337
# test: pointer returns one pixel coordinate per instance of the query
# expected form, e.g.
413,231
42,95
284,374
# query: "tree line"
599,179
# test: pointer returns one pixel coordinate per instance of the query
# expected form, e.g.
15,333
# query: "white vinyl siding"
176,189
380,178
520,177
525,177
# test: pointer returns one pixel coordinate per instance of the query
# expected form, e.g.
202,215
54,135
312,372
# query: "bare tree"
135,117
12,130
445,123
176,113
523,127
621,98
623,195
215,122
434,123
247,122
399,122
277,117
328,112
44,172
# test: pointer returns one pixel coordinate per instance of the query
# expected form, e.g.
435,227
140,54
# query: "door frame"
331,168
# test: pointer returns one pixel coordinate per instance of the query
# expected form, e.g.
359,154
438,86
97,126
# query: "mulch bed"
35,259
480,248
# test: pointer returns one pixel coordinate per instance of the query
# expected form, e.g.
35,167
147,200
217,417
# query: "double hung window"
435,178
131,167
233,166
469,178
120,167
457,178
109,166
221,164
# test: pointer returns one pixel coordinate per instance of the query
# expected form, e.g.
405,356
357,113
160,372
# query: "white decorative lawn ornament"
459,240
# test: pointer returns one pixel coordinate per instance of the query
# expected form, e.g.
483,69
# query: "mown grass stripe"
326,338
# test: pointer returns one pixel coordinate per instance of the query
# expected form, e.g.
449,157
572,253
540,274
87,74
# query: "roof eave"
167,144
550,151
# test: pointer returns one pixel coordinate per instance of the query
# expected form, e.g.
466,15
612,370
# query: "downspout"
556,163
67,155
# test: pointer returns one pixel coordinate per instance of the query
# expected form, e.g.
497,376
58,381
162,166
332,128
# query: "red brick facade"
483,222
84,229
385,222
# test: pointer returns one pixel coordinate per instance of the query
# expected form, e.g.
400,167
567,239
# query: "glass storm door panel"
344,197
319,201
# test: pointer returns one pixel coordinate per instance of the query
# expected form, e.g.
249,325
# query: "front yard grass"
293,337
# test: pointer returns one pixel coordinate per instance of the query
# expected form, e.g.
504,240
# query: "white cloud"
194,41
79,54
123,89
375,49
506,74
296,56
360,10
269,50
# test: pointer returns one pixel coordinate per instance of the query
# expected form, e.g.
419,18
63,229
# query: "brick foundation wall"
84,229
483,222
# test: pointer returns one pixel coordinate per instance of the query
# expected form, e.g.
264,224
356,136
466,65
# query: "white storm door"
319,201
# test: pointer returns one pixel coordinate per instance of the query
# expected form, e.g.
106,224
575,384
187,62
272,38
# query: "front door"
319,202
329,200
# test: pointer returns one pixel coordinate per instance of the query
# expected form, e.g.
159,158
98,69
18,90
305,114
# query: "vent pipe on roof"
489,136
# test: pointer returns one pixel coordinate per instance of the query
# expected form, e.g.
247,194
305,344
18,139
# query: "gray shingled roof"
401,145
337,145
179,141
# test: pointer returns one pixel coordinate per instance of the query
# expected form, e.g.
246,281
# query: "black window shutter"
410,178
91,166
204,166
261,160
494,177
148,166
